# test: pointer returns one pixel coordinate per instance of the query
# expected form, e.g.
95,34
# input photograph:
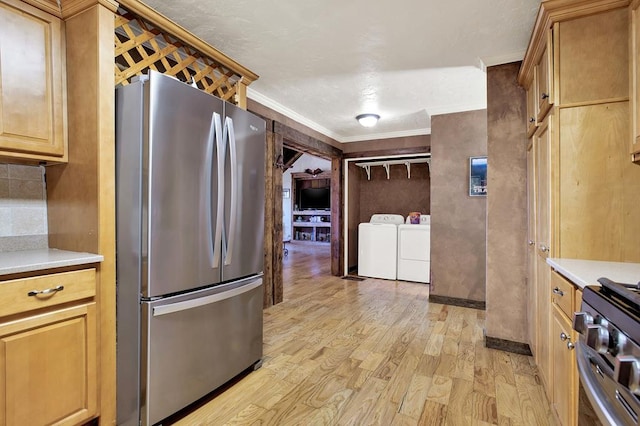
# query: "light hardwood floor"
373,352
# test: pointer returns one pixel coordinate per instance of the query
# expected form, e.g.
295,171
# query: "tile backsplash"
23,208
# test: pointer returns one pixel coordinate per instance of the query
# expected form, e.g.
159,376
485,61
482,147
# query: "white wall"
306,161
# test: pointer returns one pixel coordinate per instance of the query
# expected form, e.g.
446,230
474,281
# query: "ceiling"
322,63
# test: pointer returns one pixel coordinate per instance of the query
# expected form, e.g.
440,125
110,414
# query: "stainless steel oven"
608,354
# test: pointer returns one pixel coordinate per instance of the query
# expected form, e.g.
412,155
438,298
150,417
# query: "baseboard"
465,303
507,345
352,278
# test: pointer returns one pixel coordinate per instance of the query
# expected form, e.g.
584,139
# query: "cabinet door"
542,144
531,248
32,103
48,368
635,83
564,369
531,108
593,58
544,78
597,178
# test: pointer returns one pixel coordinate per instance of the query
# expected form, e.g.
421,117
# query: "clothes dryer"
378,246
414,250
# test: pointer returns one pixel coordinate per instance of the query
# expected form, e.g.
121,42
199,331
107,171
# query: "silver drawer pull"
46,292
558,291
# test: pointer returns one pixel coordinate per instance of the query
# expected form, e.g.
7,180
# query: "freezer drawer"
195,342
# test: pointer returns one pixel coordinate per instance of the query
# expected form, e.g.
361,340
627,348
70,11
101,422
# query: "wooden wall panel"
337,207
81,194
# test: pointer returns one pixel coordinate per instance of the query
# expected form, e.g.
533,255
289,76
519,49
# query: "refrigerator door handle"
207,300
230,136
208,167
216,242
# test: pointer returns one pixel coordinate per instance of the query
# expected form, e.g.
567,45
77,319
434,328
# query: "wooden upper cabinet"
32,84
593,58
635,81
543,72
532,122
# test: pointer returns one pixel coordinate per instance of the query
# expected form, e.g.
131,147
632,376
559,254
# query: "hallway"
340,352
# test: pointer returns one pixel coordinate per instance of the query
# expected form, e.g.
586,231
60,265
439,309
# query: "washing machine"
378,246
414,250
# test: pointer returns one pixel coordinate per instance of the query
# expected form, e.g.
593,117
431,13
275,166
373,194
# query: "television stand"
312,225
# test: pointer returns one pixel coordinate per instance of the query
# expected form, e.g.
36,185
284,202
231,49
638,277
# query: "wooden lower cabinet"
48,362
563,387
565,374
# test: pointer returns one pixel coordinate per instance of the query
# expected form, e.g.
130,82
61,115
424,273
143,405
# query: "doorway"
391,184
306,209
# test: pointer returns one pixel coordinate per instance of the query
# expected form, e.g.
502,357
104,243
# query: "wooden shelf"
302,224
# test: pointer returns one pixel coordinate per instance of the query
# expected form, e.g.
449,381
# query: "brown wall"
458,221
506,205
396,195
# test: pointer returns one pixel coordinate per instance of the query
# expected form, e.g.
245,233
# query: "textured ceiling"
324,62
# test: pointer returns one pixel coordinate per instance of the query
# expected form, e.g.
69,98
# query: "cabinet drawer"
562,293
52,290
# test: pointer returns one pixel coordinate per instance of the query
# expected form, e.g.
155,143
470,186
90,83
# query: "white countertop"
587,272
14,262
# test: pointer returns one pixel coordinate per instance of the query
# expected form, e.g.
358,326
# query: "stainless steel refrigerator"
190,222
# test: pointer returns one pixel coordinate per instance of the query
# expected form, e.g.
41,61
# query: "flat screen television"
315,199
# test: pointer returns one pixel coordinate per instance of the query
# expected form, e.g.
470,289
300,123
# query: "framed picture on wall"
286,193
478,176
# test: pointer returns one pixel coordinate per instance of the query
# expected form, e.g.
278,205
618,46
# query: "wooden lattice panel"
140,46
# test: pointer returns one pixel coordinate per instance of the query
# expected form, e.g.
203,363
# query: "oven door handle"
592,388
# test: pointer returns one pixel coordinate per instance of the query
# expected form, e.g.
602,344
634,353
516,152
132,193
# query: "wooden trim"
178,31
70,7
241,93
307,176
455,301
596,102
81,194
388,152
305,143
278,291
550,12
269,219
535,48
507,346
337,207
292,160
273,280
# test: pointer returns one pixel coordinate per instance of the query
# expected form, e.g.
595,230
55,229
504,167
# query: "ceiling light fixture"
368,120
